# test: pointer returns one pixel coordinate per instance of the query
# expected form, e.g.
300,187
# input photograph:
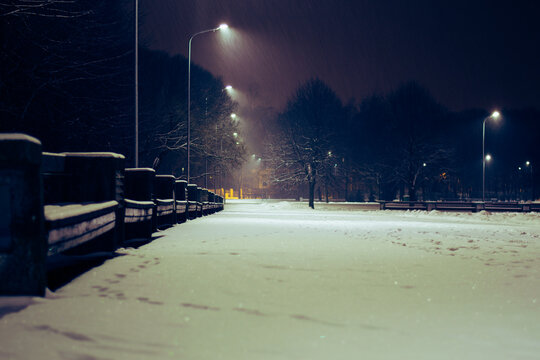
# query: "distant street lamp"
220,27
487,159
528,164
495,115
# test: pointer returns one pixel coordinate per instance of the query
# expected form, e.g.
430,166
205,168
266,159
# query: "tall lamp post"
136,83
220,27
495,115
529,165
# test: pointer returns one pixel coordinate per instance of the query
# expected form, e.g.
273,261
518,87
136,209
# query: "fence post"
23,247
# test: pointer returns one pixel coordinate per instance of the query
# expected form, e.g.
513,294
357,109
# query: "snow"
277,280
18,137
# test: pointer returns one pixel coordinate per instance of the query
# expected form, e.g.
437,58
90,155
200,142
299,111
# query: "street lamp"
495,115
529,165
220,27
136,83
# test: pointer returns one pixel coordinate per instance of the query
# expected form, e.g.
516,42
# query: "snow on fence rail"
56,203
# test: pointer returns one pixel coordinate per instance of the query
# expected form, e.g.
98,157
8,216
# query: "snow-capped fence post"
180,188
139,203
164,199
219,203
211,202
192,201
23,246
204,202
199,202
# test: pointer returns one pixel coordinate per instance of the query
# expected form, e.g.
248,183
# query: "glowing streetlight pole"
494,116
528,164
220,27
136,83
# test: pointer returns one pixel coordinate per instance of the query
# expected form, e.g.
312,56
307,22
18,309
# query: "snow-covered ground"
276,280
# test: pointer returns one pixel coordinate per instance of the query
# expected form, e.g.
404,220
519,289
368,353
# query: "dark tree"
304,146
402,140
163,118
66,72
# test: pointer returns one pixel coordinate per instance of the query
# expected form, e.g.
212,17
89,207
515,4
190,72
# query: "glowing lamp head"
223,27
488,157
527,163
228,87
495,115
233,115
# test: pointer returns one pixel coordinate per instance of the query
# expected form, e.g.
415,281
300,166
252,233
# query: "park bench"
181,200
531,207
164,201
139,204
454,206
403,205
504,206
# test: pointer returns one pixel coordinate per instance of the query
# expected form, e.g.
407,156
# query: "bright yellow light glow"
495,115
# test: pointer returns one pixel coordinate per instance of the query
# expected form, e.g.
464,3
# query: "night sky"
469,54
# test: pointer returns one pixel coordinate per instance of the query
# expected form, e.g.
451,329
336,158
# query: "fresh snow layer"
277,280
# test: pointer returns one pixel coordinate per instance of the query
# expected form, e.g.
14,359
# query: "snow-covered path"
279,281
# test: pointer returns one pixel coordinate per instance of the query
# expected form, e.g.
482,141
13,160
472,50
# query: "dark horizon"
479,55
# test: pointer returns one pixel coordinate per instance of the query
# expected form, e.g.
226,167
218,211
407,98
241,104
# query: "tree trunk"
347,187
326,192
412,193
311,194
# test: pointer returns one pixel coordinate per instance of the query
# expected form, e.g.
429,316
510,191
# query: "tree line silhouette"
400,145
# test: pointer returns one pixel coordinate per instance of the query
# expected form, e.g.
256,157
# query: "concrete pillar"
23,246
